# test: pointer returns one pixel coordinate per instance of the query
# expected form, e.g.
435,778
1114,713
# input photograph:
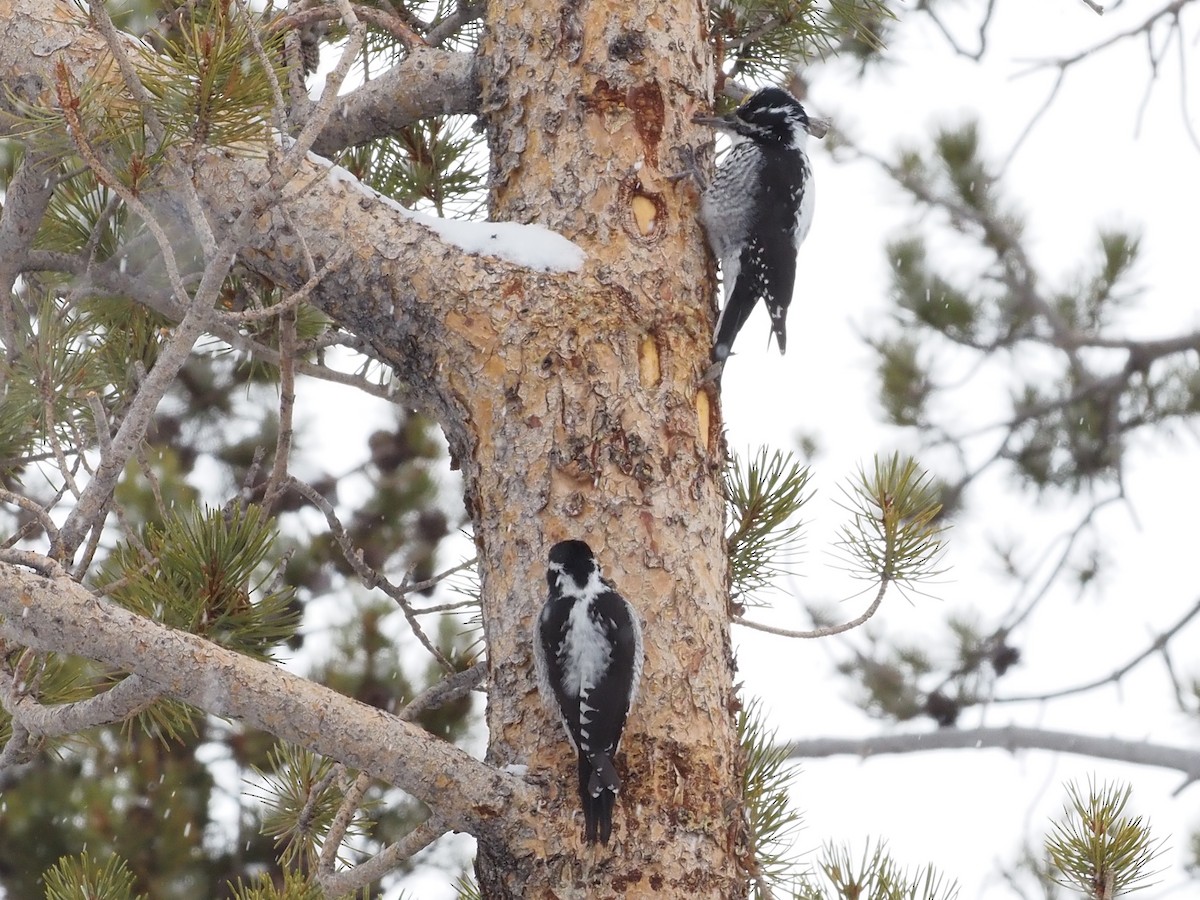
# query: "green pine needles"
76,877
1097,848
301,795
211,85
874,876
295,887
763,39
207,573
771,820
764,540
893,534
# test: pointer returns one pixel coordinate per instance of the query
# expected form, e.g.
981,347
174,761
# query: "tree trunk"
570,401
588,423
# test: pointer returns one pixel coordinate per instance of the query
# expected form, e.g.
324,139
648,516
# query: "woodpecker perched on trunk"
588,657
758,210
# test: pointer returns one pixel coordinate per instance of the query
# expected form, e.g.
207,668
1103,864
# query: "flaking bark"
571,404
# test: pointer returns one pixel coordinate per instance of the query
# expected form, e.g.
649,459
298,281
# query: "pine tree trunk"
572,404
588,423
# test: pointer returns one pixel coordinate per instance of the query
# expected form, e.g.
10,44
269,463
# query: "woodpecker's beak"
817,127
722,123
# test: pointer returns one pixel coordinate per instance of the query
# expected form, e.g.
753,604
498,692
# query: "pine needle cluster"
207,572
79,876
300,794
762,40
771,820
765,537
874,875
294,887
1099,849
894,534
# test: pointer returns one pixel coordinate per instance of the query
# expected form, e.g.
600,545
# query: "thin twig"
369,576
294,299
446,28
381,19
827,630
447,690
341,820
1157,645
342,883
436,695
305,818
42,515
279,106
287,405
413,587
133,84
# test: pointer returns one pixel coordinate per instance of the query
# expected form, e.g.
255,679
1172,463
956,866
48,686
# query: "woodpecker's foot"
690,169
712,373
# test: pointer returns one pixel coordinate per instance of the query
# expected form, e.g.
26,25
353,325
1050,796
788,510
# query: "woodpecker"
588,657
758,210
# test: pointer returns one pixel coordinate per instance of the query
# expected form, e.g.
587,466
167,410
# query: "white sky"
1085,164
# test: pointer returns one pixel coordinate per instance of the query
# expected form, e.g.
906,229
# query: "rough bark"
57,614
590,425
571,403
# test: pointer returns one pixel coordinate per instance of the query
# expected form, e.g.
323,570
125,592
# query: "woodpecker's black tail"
598,787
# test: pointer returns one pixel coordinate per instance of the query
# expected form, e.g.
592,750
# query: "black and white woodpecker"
758,209
588,657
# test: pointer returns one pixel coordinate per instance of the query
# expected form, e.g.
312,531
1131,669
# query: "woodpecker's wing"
548,663
753,279
604,702
727,207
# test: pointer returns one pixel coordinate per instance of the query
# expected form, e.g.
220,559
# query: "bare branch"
1011,738
26,197
277,480
415,586
342,883
342,819
293,300
1159,644
443,30
447,690
427,82
62,616
34,509
369,576
827,630
128,697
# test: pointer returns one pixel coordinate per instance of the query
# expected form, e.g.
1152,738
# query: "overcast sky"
1085,164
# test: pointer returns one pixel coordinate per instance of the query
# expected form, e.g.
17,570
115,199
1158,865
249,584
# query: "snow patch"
530,246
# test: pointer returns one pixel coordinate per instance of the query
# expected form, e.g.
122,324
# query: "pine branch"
765,496
26,198
771,820
1097,848
61,616
893,535
1012,738
126,698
